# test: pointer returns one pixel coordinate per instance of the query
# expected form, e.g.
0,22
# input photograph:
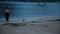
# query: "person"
7,12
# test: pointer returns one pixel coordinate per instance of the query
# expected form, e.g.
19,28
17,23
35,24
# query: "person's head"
6,9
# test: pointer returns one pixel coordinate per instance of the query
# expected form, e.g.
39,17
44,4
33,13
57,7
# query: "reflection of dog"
7,14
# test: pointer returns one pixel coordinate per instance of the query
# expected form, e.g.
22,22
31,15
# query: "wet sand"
40,27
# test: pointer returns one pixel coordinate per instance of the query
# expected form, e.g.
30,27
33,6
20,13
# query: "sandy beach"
39,27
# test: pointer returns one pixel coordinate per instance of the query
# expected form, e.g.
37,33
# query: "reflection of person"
6,11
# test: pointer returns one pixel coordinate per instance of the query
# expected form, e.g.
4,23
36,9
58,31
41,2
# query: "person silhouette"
7,12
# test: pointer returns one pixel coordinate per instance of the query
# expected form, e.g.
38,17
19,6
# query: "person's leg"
7,17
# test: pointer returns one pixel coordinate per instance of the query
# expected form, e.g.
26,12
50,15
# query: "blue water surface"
30,9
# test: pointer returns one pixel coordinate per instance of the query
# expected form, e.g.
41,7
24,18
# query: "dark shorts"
7,16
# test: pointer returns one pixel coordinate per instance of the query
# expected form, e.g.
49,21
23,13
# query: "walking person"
7,12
